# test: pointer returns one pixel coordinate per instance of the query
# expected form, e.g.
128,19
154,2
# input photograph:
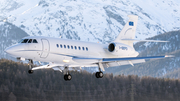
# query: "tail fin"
128,32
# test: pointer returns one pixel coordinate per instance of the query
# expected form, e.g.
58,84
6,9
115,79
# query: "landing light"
66,61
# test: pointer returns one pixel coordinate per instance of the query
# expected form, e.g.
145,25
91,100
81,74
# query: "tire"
100,74
65,77
30,71
69,77
97,74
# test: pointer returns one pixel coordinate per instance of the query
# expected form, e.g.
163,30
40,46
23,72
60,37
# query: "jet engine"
111,47
120,49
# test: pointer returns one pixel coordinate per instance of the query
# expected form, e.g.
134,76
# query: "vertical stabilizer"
128,32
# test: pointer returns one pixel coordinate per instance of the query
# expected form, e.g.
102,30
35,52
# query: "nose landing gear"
30,71
30,64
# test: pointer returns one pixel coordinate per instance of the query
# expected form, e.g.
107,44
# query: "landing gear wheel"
30,71
67,77
99,74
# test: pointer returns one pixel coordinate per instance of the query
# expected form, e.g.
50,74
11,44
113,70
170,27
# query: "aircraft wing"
110,62
132,58
103,62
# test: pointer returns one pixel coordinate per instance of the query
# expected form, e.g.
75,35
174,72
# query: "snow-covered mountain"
94,20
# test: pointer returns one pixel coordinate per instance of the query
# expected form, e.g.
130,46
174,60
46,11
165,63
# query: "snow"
165,47
88,20
147,44
164,71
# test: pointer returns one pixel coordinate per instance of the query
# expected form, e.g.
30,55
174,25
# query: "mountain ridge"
95,21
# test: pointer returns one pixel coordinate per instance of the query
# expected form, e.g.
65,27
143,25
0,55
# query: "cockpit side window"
25,40
35,41
20,40
30,40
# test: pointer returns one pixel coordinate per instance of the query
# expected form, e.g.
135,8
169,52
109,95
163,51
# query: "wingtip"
169,56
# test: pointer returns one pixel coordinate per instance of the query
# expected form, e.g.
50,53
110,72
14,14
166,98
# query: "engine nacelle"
120,49
111,47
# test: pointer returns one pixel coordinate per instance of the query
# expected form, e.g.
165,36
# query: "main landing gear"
30,64
99,74
67,76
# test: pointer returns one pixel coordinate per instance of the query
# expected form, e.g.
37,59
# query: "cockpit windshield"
28,41
20,40
25,40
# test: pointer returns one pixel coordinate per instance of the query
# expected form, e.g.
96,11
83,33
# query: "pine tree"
11,97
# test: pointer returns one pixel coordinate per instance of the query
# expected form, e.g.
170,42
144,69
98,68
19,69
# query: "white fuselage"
61,51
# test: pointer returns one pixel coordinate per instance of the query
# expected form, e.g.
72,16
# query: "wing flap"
121,63
138,61
87,60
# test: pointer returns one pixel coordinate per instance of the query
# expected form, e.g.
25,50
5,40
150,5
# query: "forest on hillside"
48,85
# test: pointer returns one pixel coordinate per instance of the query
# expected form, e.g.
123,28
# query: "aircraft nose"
12,50
9,50
6,50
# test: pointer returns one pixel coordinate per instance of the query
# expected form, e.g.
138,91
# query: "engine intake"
111,47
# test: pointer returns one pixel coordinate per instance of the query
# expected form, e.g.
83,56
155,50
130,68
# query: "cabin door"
45,48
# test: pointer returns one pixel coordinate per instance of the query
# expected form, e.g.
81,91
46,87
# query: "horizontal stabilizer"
143,40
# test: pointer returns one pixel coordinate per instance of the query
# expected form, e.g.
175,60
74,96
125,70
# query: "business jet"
63,54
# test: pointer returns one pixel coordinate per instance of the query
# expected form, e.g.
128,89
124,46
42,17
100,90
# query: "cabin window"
86,49
68,46
64,46
75,47
57,46
71,47
79,48
83,48
61,46
30,40
35,41
24,41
